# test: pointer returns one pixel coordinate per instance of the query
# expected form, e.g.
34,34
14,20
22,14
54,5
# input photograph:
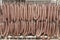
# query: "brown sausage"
6,31
25,12
4,11
17,11
23,26
57,27
8,12
36,11
21,11
38,29
2,28
12,11
32,27
11,28
29,12
17,27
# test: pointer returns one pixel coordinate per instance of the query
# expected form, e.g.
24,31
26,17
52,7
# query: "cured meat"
32,12
21,11
29,12
54,12
12,11
57,27
18,11
4,11
42,22
48,14
54,18
2,28
11,28
45,19
25,12
53,29
30,19
40,13
36,11
50,30
38,29
51,13
58,11
32,27
15,14
1,14
23,27
27,28
17,28
8,13
6,30
44,12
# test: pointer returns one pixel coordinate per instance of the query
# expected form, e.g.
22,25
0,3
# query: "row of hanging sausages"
29,19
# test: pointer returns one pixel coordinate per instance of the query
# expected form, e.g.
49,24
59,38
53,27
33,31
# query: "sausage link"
25,12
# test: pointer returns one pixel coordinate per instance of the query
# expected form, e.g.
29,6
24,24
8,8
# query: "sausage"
11,28
51,20
45,19
17,28
49,32
1,14
4,11
8,13
29,12
32,12
32,27
17,11
35,19
57,27
25,12
36,11
12,11
42,23
39,12
48,28
53,29
2,30
50,13
33,22
54,14
38,29
58,17
25,33
21,11
5,16
27,28
2,7
44,11
6,31
23,26
38,23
